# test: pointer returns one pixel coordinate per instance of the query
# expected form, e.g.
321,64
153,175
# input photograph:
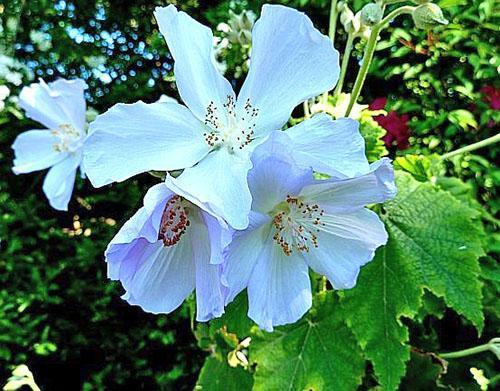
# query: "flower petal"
331,147
344,196
345,245
279,290
220,236
218,185
59,182
268,183
242,253
130,139
162,277
57,103
209,296
34,150
143,225
291,61
191,45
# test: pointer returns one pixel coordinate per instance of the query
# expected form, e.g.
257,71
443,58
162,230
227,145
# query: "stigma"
174,221
227,128
297,224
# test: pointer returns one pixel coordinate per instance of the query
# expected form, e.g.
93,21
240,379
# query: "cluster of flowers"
248,210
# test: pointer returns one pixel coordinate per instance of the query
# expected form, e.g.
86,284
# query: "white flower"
60,106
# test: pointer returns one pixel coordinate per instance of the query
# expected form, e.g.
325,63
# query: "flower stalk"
370,50
472,147
332,28
345,63
493,346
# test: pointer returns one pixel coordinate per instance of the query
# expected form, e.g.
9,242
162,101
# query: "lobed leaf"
434,243
217,375
317,353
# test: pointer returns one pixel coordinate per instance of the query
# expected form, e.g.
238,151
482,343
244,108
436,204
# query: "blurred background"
58,312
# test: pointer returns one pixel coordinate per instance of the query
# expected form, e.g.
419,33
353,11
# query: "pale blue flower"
167,249
60,107
297,223
213,137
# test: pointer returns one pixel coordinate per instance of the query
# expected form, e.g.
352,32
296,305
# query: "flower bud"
427,16
348,20
371,14
238,29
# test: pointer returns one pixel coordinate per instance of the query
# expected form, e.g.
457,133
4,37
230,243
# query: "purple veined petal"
162,277
218,185
275,175
347,195
291,61
220,235
279,290
130,139
209,290
347,242
57,103
191,44
242,253
35,150
144,225
157,276
60,180
330,147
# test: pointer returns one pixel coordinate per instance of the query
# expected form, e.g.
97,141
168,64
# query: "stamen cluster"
68,137
297,225
236,133
174,221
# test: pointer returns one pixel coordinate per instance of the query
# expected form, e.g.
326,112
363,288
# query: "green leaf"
424,372
434,243
421,167
318,352
217,375
235,319
386,290
372,132
463,119
441,240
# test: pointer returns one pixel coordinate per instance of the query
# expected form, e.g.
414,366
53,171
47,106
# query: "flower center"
237,132
297,224
174,221
69,138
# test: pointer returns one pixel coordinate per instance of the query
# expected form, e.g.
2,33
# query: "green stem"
466,352
345,63
369,51
332,28
472,147
333,20
387,2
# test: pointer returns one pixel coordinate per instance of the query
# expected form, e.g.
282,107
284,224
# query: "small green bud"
427,16
371,14
347,19
245,37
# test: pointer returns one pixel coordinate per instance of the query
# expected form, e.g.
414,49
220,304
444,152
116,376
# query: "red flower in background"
378,103
396,126
491,96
